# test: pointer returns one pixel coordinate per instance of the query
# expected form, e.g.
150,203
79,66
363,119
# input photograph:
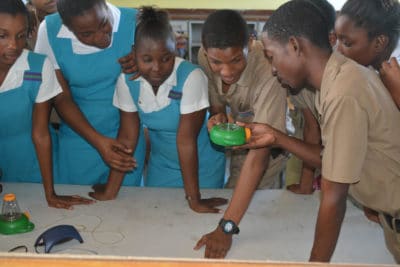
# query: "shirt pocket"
245,116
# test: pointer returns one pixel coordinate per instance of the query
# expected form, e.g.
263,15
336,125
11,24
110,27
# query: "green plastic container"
229,134
18,226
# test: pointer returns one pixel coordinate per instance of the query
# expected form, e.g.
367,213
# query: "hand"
299,189
262,135
371,215
116,155
129,66
207,205
390,75
217,244
67,202
216,119
100,193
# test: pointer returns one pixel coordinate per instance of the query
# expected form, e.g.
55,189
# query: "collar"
21,64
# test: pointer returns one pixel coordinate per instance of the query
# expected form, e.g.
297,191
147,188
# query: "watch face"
228,227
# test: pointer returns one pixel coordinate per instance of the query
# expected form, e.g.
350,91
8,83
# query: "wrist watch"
228,227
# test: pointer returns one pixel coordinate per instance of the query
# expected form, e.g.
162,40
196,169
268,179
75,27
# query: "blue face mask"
55,235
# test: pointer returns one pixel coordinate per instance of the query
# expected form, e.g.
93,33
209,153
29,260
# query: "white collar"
21,64
14,78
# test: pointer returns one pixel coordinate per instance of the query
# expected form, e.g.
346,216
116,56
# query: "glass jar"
10,210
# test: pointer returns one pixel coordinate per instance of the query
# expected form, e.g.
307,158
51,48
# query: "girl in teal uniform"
27,86
171,100
84,41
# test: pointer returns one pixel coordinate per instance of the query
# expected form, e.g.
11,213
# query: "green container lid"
229,134
20,225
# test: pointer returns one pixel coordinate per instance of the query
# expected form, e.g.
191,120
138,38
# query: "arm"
217,242
115,154
330,217
311,135
42,141
263,135
186,139
128,135
390,75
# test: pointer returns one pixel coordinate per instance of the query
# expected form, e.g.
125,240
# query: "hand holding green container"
229,134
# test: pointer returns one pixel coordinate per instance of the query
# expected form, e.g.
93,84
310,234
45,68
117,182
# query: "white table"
153,222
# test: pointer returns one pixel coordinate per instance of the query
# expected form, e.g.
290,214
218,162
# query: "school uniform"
29,81
183,92
91,74
360,135
256,97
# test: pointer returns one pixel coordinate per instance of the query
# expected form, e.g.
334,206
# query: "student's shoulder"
34,56
351,78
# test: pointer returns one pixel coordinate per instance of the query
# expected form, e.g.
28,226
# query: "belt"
393,223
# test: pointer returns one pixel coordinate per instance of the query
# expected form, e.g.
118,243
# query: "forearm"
250,175
188,159
42,142
311,135
330,217
308,153
128,135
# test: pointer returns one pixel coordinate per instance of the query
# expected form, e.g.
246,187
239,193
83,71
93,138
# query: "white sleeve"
122,97
50,86
195,92
43,45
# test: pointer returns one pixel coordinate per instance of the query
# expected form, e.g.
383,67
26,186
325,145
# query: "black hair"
13,7
225,28
327,11
72,8
299,18
376,17
153,24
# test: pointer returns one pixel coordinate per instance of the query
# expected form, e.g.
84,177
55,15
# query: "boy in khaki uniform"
242,81
309,128
253,97
359,125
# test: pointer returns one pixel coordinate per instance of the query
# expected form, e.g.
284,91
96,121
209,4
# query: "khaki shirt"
360,128
256,97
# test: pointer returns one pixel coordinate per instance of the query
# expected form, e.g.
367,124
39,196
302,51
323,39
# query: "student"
303,100
84,42
368,33
38,9
240,79
359,125
370,40
27,87
171,99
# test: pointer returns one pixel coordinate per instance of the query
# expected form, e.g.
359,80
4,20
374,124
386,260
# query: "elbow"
40,137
